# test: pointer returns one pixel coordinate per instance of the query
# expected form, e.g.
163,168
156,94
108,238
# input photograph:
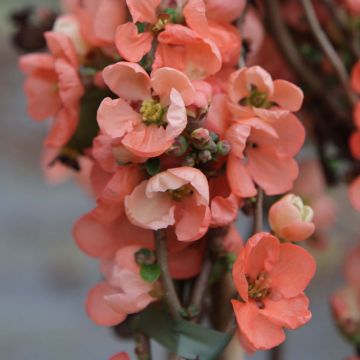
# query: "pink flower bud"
68,25
290,219
200,136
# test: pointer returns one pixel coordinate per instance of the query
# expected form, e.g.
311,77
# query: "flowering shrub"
163,110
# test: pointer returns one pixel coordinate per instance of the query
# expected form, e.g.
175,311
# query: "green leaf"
150,273
140,27
153,166
88,127
189,340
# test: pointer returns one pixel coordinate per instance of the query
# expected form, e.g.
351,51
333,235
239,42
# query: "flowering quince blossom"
53,87
290,219
178,197
270,278
124,292
173,137
160,100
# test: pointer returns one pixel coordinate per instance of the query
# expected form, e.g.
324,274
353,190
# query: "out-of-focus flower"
354,193
178,197
270,278
290,219
224,10
345,304
120,356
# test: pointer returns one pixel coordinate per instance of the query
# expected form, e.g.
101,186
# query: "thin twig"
328,48
201,285
170,295
306,74
142,348
340,18
259,210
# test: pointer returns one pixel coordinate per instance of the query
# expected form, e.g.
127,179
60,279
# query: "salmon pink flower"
53,87
185,50
290,219
154,17
252,92
98,19
156,114
124,292
263,154
352,268
270,278
176,197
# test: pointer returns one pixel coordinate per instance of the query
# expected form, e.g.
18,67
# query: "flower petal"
290,313
195,16
239,179
131,45
259,332
293,272
287,95
192,220
128,80
152,213
98,308
176,116
143,10
116,118
164,80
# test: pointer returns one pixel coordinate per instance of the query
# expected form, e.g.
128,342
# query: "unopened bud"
189,161
179,146
200,136
205,156
223,147
145,257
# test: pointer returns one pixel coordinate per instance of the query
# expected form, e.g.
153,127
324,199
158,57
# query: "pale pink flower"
176,197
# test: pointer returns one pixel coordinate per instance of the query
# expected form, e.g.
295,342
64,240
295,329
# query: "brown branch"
327,48
340,18
142,348
305,73
170,295
201,286
259,210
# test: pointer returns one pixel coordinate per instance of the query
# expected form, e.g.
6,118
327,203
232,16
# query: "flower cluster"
178,139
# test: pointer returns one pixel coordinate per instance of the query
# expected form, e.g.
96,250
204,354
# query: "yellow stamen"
152,112
181,192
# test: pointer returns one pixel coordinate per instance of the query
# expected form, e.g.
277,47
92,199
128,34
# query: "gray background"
43,276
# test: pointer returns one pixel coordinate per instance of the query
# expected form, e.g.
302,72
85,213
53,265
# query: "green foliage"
189,340
153,166
150,272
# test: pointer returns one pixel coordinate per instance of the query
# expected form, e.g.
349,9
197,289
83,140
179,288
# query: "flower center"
160,24
181,192
152,112
258,99
260,287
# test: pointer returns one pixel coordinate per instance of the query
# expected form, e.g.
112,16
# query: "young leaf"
150,273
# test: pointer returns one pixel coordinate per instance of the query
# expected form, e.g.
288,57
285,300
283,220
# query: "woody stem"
170,295
276,353
142,348
258,216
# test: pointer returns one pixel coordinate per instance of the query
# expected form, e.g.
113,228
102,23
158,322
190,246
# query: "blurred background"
44,277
